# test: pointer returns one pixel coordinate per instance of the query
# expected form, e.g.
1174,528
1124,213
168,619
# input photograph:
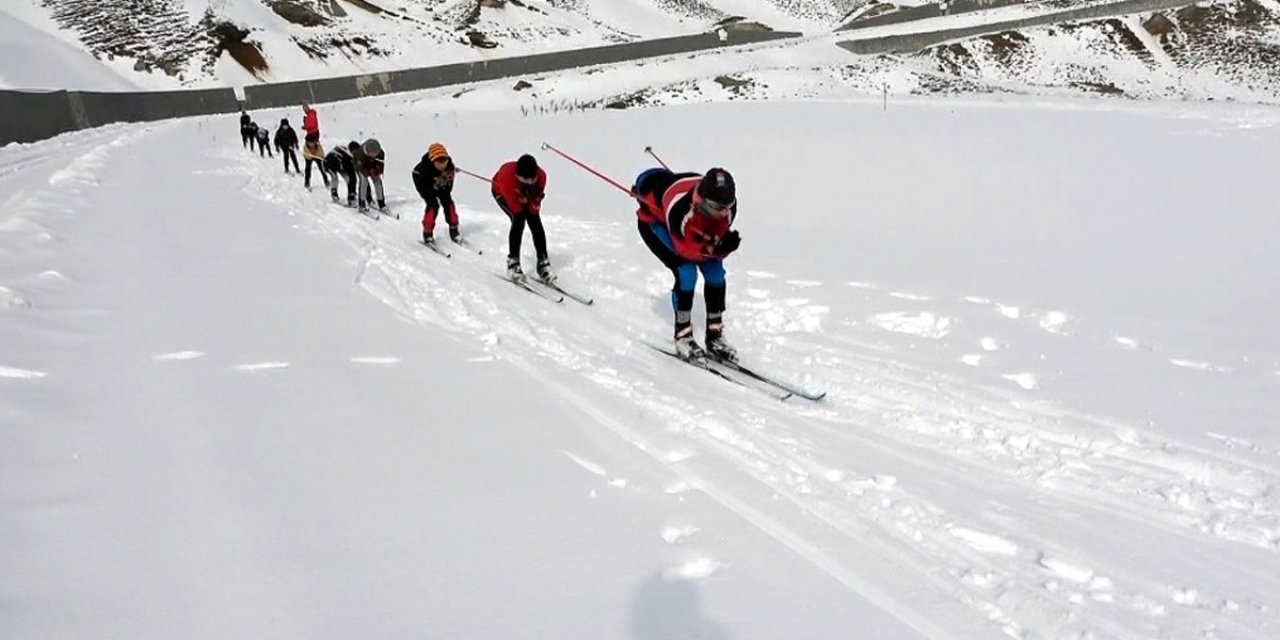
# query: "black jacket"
429,181
339,161
286,137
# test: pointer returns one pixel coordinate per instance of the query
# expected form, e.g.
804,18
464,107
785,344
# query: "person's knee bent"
713,272
686,277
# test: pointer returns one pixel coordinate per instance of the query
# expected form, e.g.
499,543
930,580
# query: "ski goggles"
716,209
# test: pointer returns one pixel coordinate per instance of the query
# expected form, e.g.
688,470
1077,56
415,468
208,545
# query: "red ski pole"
474,175
649,150
589,169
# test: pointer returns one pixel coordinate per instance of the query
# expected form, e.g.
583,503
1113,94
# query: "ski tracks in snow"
880,480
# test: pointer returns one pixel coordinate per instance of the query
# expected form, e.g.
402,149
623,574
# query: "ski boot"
351,202
686,347
382,206
362,207
719,348
544,271
428,239
333,193
454,234
513,269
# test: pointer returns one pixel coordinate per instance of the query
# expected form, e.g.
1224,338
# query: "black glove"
728,244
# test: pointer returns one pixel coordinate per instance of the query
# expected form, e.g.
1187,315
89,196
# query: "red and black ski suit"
522,204
686,239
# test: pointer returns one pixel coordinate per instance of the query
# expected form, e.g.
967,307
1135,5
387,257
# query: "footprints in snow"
775,314
924,325
932,325
765,315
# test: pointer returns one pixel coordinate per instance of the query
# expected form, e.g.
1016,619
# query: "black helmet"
717,185
526,167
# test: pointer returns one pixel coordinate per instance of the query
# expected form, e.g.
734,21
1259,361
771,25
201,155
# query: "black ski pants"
306,176
287,153
516,237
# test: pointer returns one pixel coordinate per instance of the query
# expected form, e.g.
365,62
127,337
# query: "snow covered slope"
170,43
229,408
1220,50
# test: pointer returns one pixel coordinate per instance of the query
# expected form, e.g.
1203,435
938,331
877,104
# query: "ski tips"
648,149
545,146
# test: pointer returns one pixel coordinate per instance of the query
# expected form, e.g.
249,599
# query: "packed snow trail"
1008,565
939,502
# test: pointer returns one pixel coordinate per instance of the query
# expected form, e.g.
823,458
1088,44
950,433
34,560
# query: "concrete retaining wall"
286,94
30,116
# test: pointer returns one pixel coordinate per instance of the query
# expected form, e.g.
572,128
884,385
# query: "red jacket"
515,197
694,234
310,122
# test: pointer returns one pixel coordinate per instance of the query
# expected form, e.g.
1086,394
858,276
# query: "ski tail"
432,246
771,381
576,297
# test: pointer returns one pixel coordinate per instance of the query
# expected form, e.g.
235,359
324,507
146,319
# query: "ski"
389,212
709,366
568,294
434,247
524,284
468,246
771,381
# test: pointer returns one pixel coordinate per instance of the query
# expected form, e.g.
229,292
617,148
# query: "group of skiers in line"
361,165
685,219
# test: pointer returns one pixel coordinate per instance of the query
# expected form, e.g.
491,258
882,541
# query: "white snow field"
231,409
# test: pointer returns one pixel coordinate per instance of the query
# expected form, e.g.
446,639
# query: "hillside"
1218,50
167,43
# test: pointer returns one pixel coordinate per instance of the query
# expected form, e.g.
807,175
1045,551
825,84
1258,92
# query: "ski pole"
474,175
589,169
649,150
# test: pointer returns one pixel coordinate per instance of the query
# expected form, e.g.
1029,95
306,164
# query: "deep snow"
231,408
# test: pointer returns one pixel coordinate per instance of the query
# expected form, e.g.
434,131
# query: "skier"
286,141
433,178
264,139
519,188
310,123
685,219
369,161
313,152
247,134
339,164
